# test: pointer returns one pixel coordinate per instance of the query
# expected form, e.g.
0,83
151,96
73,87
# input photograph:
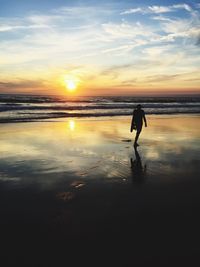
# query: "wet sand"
76,192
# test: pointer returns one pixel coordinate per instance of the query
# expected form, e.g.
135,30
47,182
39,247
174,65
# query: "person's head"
139,106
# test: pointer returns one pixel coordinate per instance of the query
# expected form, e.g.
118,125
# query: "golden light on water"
71,125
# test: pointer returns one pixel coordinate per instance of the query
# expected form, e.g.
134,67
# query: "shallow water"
49,153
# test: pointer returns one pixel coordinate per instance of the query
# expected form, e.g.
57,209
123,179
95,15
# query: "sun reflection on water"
71,125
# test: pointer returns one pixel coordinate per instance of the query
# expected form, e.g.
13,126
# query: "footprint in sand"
126,140
82,173
94,167
91,168
65,196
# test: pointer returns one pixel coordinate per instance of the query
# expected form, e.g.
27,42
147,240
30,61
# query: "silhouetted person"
137,122
138,171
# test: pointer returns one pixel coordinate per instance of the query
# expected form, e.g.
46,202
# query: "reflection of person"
138,171
137,122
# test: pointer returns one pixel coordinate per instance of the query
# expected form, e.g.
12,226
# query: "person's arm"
145,121
132,122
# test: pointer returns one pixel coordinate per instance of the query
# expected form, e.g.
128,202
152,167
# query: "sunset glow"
121,48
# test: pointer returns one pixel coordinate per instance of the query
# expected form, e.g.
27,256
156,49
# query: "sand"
76,192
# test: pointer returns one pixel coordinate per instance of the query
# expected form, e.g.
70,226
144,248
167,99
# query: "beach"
76,191
78,81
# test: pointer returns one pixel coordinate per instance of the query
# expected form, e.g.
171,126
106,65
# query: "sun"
70,82
71,85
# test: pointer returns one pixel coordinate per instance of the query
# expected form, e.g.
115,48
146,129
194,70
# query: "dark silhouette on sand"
137,122
137,169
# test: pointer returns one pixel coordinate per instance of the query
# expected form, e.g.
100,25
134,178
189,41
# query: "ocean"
24,108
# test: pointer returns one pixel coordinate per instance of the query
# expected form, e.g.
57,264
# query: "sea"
25,108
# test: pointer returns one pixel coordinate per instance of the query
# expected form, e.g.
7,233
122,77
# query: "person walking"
137,122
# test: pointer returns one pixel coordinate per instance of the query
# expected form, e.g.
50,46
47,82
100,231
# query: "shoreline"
95,116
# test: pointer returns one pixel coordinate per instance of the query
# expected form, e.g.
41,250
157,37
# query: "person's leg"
137,136
138,131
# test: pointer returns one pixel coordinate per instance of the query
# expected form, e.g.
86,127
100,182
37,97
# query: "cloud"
60,35
127,30
85,14
5,28
43,19
132,11
161,18
124,49
181,28
114,71
23,84
156,51
161,78
32,86
138,35
22,23
177,28
198,40
64,17
182,6
178,77
157,9
117,68
129,83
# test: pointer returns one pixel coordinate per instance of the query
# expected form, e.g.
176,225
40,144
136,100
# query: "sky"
103,47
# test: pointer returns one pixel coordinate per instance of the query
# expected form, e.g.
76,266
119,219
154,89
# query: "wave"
55,115
89,99
9,107
34,108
